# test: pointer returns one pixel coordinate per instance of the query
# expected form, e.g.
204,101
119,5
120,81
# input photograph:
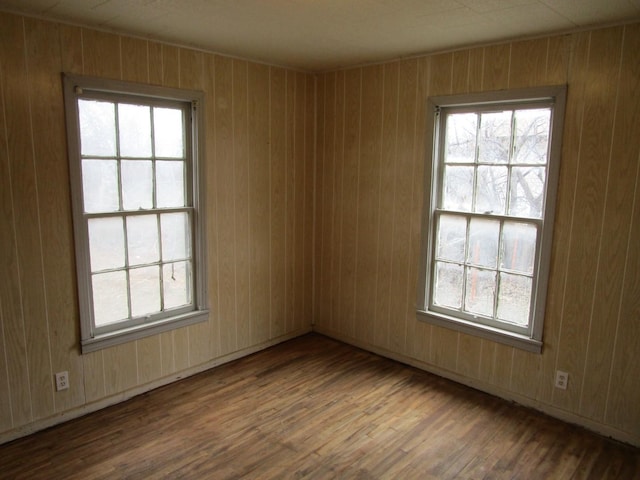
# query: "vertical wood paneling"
406,133
596,136
324,171
495,71
299,197
390,112
71,49
135,60
149,351
170,66
318,247
277,173
120,368
418,333
309,192
241,176
94,388
460,71
47,114
368,201
475,75
14,348
290,214
337,314
611,358
326,201
211,200
558,55
624,391
226,197
528,63
101,54
259,200
28,240
350,205
577,80
154,66
6,421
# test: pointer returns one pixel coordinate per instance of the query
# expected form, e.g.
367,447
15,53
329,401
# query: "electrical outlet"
562,379
62,381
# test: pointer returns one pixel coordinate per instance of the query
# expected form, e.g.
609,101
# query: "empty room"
383,239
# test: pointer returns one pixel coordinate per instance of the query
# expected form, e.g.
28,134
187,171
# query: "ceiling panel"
320,35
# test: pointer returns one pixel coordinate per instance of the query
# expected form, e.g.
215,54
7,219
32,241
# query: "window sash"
553,97
90,88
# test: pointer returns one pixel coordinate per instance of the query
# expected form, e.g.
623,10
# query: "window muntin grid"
492,171
136,175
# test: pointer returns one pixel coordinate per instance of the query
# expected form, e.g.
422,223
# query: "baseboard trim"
88,408
560,414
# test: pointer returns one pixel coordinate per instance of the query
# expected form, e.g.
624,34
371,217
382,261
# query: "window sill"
501,336
110,339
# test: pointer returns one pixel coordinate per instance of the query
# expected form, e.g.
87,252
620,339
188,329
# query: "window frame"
529,339
77,87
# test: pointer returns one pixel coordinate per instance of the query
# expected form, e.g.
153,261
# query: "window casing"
488,214
138,208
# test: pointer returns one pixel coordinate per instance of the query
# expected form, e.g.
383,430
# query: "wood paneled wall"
371,137
314,199
259,169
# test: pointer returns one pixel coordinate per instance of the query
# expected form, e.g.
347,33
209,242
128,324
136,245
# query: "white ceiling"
325,34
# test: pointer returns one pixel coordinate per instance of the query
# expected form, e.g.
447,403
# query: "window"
489,213
137,195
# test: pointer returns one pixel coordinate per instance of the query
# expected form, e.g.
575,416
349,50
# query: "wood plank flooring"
315,408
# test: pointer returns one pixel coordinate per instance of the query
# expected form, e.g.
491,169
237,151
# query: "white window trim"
532,341
74,86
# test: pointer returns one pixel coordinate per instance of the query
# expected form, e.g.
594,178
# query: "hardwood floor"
318,409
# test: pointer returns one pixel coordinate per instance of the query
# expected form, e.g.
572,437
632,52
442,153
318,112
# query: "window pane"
97,128
527,191
109,297
495,137
170,184
480,292
176,236
135,130
532,135
168,130
448,285
483,242
106,243
458,188
461,138
452,235
518,247
100,185
176,278
145,290
491,189
142,239
514,298
137,184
